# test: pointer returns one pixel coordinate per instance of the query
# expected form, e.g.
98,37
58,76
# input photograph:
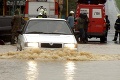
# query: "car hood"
56,38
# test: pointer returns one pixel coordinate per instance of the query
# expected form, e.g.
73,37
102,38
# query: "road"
94,61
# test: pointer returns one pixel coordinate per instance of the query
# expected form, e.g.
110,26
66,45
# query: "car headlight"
71,46
32,44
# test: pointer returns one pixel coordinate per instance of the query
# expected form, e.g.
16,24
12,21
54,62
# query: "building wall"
9,6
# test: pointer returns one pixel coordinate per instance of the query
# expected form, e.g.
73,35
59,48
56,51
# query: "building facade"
7,7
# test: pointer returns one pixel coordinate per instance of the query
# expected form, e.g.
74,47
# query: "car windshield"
47,27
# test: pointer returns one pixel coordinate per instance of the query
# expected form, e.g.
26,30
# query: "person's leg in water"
13,38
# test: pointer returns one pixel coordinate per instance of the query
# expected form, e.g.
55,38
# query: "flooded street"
59,70
93,61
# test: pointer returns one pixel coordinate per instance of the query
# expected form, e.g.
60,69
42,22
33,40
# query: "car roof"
47,19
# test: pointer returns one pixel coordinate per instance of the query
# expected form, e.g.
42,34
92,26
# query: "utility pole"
61,7
4,7
67,9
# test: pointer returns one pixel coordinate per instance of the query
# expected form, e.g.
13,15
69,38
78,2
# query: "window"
96,13
48,26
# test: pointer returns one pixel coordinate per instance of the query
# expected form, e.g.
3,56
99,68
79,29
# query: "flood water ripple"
62,54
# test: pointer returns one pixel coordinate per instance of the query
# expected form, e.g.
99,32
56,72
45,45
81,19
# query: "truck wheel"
103,39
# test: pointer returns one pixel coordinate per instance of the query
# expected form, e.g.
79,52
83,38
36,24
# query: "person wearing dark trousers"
107,25
116,33
117,28
16,24
86,27
80,27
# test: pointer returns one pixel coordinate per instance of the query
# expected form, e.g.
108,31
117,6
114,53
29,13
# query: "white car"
47,33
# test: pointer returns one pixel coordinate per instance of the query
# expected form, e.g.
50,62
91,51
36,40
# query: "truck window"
85,10
96,13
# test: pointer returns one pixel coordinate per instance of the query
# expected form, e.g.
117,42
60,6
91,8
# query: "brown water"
62,54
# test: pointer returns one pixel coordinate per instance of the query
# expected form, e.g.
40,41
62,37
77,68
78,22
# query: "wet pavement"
59,70
94,61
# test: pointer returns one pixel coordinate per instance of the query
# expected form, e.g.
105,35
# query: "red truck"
32,8
96,15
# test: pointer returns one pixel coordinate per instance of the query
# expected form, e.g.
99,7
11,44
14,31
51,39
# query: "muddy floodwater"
61,54
63,64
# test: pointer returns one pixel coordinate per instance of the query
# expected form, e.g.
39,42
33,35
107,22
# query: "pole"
60,8
4,7
67,9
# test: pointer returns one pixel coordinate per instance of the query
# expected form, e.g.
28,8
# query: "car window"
48,26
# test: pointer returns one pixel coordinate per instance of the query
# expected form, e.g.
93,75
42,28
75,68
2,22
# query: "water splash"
60,54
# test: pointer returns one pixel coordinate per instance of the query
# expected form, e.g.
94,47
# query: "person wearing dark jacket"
80,27
107,25
16,24
117,28
86,27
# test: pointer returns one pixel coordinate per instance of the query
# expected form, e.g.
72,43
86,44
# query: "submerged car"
47,33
